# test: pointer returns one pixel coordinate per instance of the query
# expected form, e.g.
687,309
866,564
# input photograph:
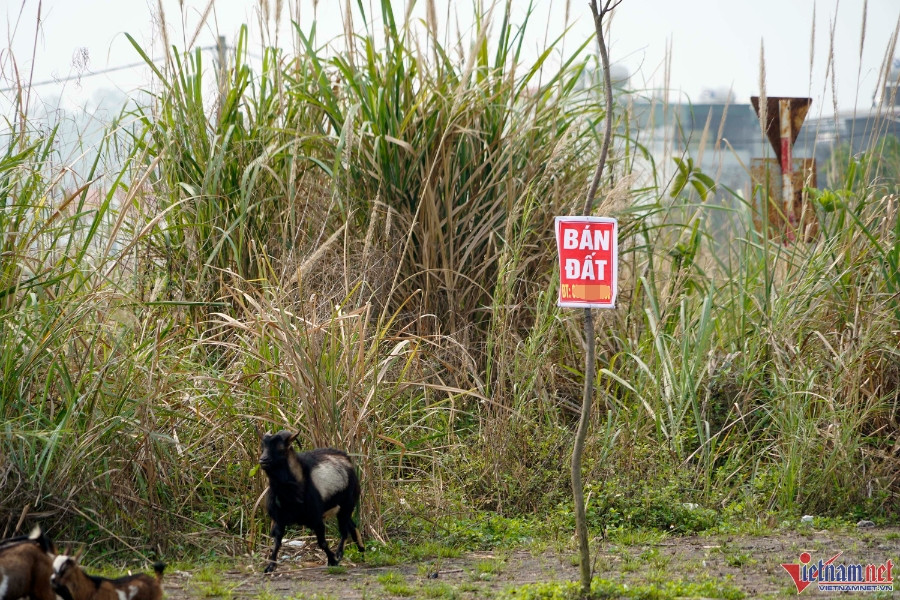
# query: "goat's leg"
319,530
356,536
277,533
344,528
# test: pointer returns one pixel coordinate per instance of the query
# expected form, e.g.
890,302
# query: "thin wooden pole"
578,450
589,340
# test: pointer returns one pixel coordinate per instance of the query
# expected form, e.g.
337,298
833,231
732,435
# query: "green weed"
395,584
601,589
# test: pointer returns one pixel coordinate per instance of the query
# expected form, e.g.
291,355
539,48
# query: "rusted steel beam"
768,195
784,118
787,188
799,107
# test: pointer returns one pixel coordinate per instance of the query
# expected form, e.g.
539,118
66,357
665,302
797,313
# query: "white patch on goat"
59,561
4,585
121,595
132,591
329,478
332,511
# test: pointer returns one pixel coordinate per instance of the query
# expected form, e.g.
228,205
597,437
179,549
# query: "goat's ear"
291,439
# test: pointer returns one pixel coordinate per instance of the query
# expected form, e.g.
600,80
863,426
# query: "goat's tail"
43,542
158,568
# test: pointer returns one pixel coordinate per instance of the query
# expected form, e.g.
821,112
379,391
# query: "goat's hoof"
269,568
332,562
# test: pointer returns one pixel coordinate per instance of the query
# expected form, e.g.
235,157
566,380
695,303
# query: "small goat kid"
72,583
26,567
306,487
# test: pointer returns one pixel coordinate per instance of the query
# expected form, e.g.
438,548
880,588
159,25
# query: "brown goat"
72,583
26,567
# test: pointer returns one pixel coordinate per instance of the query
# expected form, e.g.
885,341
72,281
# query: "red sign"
588,261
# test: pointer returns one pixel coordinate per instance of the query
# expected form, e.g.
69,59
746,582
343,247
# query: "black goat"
306,487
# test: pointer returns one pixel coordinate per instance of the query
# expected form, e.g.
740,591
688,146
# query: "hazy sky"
713,44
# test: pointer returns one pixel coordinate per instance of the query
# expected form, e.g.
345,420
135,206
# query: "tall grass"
453,146
357,245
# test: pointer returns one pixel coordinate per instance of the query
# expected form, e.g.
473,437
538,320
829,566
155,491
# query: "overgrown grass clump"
359,245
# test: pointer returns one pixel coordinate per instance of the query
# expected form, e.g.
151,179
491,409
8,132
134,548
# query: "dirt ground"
750,564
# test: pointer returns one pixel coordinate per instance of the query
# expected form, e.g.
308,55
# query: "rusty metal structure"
779,183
